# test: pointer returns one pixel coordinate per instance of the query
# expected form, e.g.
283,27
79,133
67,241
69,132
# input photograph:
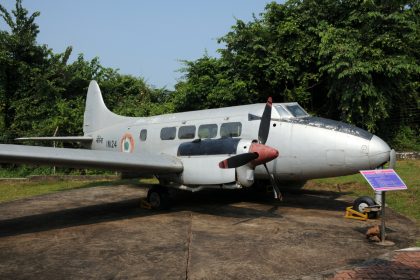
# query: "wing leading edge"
83,139
80,158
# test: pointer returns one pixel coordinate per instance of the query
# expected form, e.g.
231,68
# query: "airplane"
226,148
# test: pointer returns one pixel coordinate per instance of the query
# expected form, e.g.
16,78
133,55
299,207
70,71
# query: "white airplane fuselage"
309,147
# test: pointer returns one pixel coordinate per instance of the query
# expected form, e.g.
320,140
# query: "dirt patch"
102,232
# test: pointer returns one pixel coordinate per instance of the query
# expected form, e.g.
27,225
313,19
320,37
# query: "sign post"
383,180
383,216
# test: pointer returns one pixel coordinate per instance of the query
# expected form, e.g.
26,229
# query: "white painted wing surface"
83,139
146,163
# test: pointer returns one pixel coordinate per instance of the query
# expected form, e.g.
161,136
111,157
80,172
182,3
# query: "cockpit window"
283,112
296,110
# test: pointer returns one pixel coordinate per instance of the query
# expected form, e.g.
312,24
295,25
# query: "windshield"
290,110
283,112
296,110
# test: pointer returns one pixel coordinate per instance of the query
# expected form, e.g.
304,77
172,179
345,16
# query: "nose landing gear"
366,204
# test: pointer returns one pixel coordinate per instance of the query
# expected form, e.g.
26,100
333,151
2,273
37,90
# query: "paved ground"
395,265
102,233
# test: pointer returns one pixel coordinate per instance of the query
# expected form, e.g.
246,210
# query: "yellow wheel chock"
353,214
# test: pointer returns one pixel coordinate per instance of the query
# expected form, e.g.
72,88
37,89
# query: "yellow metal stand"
353,214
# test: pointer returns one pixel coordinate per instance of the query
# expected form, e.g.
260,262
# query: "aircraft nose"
379,152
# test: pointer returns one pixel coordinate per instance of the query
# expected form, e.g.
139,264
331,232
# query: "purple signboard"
383,180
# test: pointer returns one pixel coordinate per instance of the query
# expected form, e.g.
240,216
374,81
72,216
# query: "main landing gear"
158,198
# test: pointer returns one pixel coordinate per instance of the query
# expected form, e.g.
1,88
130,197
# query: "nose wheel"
365,204
158,198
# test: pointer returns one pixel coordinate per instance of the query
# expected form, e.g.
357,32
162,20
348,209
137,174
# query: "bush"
406,139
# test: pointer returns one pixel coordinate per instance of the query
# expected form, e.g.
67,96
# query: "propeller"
259,152
263,132
238,160
276,189
264,128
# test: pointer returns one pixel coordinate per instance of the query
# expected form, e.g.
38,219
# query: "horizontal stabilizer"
84,139
144,163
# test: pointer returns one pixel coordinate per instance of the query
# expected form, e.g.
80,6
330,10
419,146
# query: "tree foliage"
357,61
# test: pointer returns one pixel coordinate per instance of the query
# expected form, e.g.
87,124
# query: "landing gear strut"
158,198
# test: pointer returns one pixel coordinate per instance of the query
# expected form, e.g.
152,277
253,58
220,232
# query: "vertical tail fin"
97,115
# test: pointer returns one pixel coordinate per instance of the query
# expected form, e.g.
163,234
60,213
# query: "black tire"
158,198
363,201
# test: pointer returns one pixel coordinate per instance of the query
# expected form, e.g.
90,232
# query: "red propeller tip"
269,101
223,164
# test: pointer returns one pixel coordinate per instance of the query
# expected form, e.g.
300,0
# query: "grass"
405,202
11,190
13,171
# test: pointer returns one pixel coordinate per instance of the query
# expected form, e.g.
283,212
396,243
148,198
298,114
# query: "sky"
148,39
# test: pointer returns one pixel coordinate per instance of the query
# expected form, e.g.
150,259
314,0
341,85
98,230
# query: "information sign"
383,179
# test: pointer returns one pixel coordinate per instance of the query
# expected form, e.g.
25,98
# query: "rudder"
97,115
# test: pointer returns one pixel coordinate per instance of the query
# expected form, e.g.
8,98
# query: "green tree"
21,60
357,61
372,62
208,85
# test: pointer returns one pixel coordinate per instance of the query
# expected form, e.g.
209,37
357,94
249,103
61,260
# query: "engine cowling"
199,157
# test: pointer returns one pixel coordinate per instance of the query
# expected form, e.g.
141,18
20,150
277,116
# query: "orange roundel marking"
127,143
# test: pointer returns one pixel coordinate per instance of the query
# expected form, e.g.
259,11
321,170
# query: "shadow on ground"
211,202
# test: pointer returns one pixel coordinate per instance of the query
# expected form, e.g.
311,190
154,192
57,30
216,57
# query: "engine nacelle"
213,161
245,175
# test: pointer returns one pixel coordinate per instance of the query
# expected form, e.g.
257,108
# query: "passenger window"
143,135
186,132
207,131
232,129
168,133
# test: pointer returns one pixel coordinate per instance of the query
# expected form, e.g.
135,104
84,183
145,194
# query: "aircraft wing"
83,139
146,163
